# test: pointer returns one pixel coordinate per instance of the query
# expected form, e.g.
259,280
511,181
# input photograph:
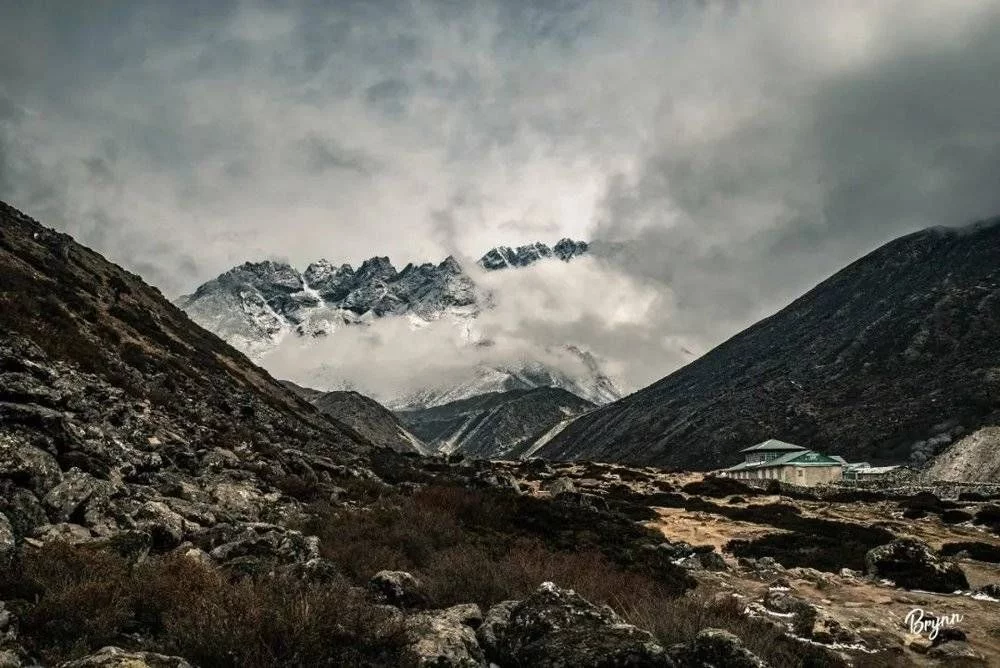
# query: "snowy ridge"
259,307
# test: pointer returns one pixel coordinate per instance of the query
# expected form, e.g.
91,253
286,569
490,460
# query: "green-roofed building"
787,462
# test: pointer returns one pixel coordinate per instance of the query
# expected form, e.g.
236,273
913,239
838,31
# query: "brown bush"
76,600
465,546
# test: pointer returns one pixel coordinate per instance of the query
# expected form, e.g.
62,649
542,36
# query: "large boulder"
494,626
715,648
557,627
77,488
911,564
114,657
397,588
22,508
256,547
444,638
28,466
559,485
166,527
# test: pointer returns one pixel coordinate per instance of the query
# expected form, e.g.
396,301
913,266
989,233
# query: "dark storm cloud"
729,155
321,154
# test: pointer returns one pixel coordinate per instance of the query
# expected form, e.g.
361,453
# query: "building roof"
774,445
794,458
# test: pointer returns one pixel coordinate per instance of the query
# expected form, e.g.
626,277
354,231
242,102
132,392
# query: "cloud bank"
730,154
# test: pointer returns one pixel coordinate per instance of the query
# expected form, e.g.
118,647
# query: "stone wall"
888,488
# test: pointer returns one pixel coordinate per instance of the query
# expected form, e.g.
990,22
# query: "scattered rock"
804,614
582,500
28,466
23,509
494,626
956,651
164,525
398,588
65,500
259,546
114,657
444,638
559,485
64,531
911,564
557,627
715,648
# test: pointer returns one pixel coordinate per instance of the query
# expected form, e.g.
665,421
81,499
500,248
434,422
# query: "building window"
800,473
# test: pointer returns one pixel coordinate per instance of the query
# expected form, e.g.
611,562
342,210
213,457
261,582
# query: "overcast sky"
745,149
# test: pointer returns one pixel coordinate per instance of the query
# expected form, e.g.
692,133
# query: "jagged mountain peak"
502,257
255,305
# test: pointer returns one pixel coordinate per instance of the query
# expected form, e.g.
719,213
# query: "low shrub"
975,549
486,546
77,599
719,488
955,516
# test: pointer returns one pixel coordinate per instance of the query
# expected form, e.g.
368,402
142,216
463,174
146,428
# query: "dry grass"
84,599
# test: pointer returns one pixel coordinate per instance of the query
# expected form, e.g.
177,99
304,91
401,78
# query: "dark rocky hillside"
890,358
363,414
62,303
490,425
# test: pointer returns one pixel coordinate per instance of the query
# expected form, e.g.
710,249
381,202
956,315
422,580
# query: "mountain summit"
257,304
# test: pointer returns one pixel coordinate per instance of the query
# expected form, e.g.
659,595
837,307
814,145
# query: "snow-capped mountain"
583,377
259,307
502,257
255,305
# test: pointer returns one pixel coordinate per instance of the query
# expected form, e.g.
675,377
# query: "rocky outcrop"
444,638
115,657
503,257
557,627
911,564
913,328
715,648
397,588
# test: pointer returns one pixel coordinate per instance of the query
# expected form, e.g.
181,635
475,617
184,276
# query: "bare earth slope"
900,347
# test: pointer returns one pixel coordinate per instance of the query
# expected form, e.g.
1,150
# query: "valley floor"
868,613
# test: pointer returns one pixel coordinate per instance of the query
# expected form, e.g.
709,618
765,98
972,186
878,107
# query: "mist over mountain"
417,337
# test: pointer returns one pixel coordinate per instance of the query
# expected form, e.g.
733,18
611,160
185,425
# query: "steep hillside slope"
489,425
156,380
890,358
974,458
363,414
